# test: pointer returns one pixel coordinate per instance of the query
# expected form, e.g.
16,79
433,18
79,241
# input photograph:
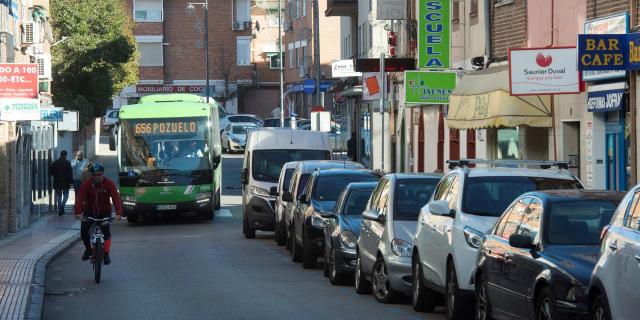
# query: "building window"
290,58
297,57
274,60
455,16
370,37
507,139
304,8
147,10
243,45
242,11
293,9
473,11
150,54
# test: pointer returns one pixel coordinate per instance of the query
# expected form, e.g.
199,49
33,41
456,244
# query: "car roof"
361,185
414,175
309,166
237,124
575,194
342,171
290,165
243,115
517,172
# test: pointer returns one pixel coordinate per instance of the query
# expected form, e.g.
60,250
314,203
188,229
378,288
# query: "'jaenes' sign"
609,51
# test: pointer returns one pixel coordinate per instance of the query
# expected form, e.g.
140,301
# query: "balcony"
337,8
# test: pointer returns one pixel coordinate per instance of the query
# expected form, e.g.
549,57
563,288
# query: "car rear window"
578,222
328,188
411,195
490,196
287,179
356,201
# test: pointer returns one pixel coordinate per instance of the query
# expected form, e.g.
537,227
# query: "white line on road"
224,213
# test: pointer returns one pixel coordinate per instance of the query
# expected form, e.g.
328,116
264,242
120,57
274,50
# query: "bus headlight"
203,197
129,201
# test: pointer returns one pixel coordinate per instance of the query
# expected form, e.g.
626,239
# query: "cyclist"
94,201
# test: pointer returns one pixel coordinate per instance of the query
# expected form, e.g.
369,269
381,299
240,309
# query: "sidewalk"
23,260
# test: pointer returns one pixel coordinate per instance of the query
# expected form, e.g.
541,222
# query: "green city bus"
169,156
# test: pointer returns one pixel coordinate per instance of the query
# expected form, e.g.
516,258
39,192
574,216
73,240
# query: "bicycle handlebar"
97,220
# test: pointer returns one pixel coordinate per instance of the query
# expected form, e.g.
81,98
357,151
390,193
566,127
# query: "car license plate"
167,207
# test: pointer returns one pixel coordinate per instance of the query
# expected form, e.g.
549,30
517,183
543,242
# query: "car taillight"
604,231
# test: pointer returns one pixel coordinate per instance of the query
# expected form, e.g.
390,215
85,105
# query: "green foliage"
98,57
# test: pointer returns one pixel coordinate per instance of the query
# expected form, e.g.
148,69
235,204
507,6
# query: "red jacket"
95,199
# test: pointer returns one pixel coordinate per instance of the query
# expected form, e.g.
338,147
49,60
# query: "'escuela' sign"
609,51
434,33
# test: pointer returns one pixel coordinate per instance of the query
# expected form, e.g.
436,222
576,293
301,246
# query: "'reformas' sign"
434,34
534,71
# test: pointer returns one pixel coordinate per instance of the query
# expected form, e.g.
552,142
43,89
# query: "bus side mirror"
112,143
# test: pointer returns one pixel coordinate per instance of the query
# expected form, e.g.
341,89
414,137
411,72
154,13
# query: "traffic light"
390,65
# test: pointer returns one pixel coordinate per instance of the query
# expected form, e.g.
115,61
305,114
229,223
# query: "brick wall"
151,73
508,28
148,28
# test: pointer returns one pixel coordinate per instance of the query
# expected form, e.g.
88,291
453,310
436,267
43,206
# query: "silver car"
383,264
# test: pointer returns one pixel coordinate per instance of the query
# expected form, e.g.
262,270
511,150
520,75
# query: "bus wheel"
132,217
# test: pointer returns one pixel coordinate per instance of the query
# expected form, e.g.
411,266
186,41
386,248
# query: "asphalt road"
186,268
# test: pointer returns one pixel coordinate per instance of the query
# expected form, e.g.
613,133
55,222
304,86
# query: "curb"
36,296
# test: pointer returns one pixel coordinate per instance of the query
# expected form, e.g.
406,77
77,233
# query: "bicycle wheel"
97,260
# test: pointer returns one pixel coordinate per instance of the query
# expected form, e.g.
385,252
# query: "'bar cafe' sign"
609,51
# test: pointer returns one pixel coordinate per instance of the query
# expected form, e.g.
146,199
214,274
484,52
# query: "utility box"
321,121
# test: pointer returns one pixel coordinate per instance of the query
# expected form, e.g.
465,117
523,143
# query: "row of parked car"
235,127
491,242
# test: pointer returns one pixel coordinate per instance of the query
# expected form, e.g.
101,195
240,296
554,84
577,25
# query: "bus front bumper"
204,205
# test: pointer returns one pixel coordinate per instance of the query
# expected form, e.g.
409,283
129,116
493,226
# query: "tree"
225,65
97,58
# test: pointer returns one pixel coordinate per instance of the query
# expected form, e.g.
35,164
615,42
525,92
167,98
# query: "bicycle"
97,244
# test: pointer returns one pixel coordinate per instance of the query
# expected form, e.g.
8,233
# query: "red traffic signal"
390,65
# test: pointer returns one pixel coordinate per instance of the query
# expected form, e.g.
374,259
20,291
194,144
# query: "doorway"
571,145
615,156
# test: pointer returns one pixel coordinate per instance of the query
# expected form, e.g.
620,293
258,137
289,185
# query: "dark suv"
319,198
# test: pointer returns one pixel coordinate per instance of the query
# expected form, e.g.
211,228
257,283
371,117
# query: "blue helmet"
96,167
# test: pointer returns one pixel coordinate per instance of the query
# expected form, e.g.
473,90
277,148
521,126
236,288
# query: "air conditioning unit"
237,26
44,66
29,33
247,24
303,71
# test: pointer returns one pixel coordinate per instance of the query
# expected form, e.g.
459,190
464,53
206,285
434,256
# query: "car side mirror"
521,241
441,208
286,196
373,216
112,142
302,198
244,176
273,191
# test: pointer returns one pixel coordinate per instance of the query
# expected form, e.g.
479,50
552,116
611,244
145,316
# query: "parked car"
537,260
299,181
267,150
466,205
341,232
615,282
319,197
284,184
383,265
110,120
275,122
245,118
234,136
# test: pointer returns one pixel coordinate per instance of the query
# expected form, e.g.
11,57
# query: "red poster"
18,80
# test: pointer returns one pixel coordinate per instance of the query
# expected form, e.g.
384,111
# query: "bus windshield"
172,144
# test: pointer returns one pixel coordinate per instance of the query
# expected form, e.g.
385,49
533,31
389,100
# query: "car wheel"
325,263
288,237
309,259
545,310
280,233
362,285
482,305
248,231
422,298
381,282
454,304
296,249
335,278
600,308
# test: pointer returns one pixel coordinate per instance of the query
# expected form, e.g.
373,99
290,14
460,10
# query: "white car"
234,136
110,119
284,185
615,282
465,205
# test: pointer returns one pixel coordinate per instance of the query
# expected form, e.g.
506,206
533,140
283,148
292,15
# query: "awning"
606,97
481,100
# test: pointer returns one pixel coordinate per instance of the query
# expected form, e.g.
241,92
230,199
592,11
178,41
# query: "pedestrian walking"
79,164
62,180
352,147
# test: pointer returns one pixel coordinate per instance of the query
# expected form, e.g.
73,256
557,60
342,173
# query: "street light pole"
316,48
206,45
280,58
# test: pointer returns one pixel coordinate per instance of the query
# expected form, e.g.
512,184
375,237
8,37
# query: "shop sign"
424,87
69,121
615,24
535,71
308,86
391,9
609,51
18,80
150,88
371,86
19,109
607,97
434,34
343,69
51,114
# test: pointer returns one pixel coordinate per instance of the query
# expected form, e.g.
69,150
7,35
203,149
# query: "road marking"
224,213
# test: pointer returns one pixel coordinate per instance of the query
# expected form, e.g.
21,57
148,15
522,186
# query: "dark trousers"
84,233
62,195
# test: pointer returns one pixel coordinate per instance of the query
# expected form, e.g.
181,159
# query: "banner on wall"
434,34
535,71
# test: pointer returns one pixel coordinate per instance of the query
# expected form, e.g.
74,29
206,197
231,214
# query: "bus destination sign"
165,127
